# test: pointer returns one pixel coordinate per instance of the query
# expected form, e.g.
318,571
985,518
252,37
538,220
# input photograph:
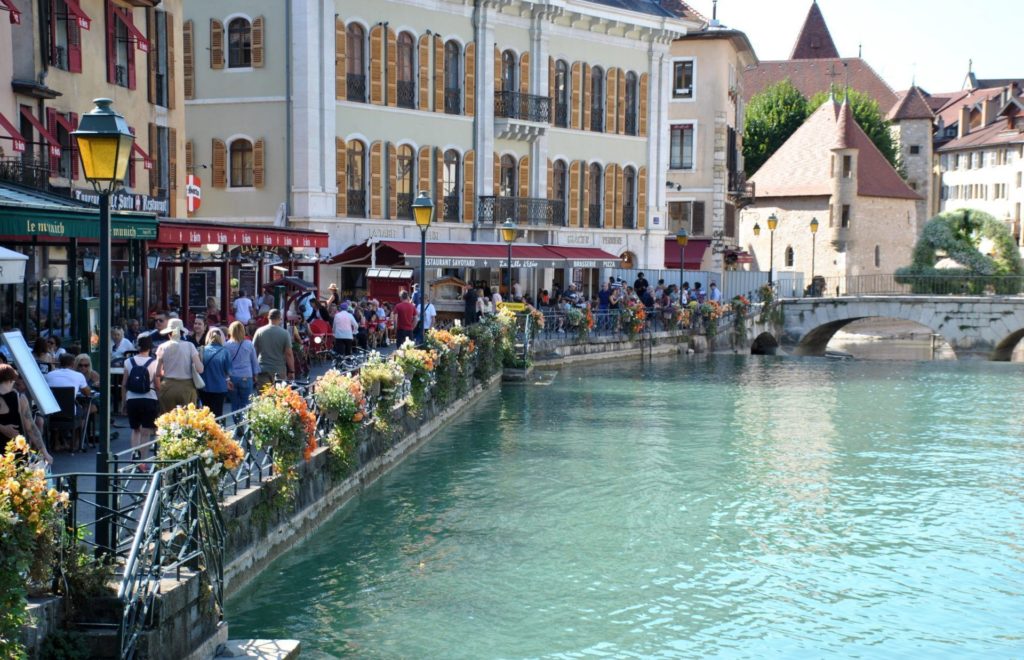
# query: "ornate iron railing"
453,101
630,122
597,118
450,212
628,216
356,203
561,115
406,94
596,218
529,107
28,173
522,210
404,210
356,88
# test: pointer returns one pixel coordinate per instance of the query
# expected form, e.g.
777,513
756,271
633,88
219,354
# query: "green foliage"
63,645
957,235
871,120
772,116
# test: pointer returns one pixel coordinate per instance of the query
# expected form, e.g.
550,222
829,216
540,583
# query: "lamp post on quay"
814,240
423,214
682,238
773,222
105,144
509,233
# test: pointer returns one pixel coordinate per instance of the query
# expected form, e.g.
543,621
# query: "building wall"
976,186
918,167
8,106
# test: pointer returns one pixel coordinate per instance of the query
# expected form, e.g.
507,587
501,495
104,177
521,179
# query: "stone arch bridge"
975,327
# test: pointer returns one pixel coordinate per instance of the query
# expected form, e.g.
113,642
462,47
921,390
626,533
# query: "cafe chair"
63,424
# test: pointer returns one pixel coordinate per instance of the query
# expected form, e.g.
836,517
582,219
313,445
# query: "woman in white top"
118,344
483,304
175,361
141,407
243,308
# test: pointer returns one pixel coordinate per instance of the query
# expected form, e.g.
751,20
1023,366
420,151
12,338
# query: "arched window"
356,168
406,68
597,99
355,62
561,99
450,185
239,43
596,195
559,192
508,71
878,256
790,256
507,182
241,163
631,96
452,78
404,164
629,198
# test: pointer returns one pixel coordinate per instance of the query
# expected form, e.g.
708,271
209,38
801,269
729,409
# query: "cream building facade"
551,114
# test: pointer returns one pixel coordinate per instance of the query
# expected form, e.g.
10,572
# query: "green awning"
31,222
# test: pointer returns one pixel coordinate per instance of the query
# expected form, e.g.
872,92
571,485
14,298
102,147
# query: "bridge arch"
764,344
1004,349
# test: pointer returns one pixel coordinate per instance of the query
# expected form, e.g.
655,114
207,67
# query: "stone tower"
844,183
912,125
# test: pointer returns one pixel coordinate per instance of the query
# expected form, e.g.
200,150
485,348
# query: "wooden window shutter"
470,80
74,47
152,58
438,74
188,158
111,44
585,201
621,126
257,42
392,182
423,170
641,198
577,88
216,44
51,125
609,197
73,120
220,164
132,79
340,64
172,97
341,177
259,163
392,47
574,194
611,87
376,180
438,183
524,176
524,73
497,70
620,184
469,187
377,64
588,86
497,175
643,105
424,72
551,89
172,174
154,153
188,59
551,179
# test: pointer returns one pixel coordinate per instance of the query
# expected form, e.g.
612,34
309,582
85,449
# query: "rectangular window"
681,147
1019,180
846,216
679,215
65,31
915,149
847,167
682,80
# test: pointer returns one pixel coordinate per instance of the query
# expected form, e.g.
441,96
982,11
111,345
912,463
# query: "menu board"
246,281
197,283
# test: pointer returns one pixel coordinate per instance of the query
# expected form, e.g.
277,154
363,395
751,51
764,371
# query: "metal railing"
628,216
596,219
631,122
357,203
922,285
565,327
561,115
406,92
28,173
522,210
597,118
450,210
453,101
528,107
355,87
404,210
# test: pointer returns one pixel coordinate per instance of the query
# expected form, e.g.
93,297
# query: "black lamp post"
773,222
814,240
423,214
105,144
509,234
682,238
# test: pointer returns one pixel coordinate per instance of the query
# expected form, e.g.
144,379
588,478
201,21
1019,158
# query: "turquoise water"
718,507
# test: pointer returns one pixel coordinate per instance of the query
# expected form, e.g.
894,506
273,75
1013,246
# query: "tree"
869,117
772,116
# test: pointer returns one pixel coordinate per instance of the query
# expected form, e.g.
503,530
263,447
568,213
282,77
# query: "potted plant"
280,419
340,397
189,431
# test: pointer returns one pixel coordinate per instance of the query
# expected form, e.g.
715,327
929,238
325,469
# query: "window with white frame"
683,79
681,147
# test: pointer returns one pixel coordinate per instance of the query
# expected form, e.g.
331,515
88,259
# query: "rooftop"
814,41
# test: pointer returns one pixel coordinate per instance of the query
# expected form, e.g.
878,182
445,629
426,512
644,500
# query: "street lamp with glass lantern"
105,144
509,233
814,237
682,238
773,222
423,214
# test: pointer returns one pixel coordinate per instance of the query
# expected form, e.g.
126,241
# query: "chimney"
964,125
989,108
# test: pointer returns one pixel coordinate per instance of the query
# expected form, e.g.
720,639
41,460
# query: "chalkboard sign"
246,281
197,283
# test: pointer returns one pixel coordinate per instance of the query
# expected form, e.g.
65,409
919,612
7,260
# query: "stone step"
261,649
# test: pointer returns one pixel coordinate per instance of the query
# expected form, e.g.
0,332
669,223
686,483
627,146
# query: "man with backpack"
139,386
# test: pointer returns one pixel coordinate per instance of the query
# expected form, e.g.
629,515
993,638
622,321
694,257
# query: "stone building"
553,115
912,124
830,170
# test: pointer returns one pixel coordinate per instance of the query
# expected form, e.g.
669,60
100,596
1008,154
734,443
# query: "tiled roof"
813,76
949,114
641,6
912,105
1000,131
800,168
682,10
815,41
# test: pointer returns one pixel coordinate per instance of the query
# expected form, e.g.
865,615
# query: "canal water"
694,507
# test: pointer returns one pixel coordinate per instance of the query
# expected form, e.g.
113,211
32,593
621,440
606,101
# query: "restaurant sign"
184,235
75,227
125,201
475,262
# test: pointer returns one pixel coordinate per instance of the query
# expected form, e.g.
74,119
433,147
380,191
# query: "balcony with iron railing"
519,116
450,208
630,123
596,220
453,101
597,119
356,88
27,173
404,210
406,94
740,189
356,204
522,210
628,216
561,115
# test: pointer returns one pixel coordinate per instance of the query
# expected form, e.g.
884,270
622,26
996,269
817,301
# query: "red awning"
476,255
19,141
140,39
176,234
693,253
15,12
147,162
55,146
584,257
75,10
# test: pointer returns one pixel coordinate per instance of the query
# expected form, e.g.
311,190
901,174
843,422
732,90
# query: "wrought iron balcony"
28,173
356,85
356,204
597,118
561,115
596,218
528,107
453,101
407,94
522,211
404,210
630,123
450,210
628,216
740,189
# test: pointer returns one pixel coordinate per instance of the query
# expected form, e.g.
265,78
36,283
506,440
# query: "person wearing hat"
335,297
175,362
